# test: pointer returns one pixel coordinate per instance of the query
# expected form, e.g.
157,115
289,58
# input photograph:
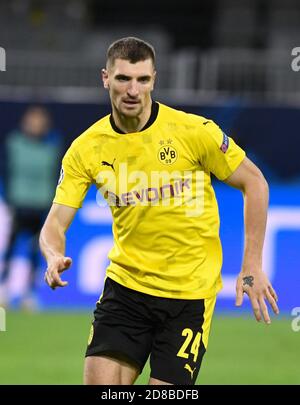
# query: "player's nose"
133,90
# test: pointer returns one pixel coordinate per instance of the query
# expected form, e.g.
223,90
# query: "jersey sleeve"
217,152
73,182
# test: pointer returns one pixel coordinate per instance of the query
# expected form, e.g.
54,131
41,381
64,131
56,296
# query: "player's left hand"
257,286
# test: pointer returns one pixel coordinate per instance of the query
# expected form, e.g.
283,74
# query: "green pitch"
49,348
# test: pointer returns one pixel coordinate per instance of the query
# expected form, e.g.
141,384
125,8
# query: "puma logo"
104,163
190,370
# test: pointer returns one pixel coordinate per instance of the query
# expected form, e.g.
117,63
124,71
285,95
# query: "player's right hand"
56,266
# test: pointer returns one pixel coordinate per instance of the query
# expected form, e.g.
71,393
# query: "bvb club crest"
167,154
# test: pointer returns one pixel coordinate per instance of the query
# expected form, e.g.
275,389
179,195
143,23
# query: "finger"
56,280
46,278
256,309
49,280
264,310
239,296
273,293
63,283
67,262
272,302
59,283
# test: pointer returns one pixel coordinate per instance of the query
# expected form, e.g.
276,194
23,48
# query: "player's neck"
132,124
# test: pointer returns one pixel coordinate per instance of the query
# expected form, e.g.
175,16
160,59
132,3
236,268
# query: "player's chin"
131,110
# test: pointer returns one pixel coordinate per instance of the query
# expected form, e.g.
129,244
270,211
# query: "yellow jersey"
157,183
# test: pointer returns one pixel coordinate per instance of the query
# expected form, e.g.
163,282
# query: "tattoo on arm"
248,281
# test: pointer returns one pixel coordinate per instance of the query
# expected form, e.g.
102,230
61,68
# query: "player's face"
130,86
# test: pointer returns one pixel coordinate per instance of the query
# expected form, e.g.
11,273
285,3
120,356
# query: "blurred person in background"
30,166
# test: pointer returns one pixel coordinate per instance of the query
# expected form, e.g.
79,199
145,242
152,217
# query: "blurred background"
235,62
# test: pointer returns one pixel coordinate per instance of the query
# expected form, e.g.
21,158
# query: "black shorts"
130,325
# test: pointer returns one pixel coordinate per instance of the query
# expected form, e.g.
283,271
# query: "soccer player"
152,164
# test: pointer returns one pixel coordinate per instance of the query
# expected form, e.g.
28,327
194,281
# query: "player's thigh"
103,370
121,329
179,346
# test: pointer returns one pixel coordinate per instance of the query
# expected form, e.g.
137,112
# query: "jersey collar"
152,118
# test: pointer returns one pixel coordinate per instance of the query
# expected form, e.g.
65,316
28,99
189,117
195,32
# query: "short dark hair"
130,48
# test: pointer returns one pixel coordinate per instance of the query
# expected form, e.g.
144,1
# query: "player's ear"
154,77
105,80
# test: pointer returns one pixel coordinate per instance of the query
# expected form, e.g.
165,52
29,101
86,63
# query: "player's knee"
100,370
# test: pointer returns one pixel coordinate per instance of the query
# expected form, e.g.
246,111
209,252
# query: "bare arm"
52,243
249,179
